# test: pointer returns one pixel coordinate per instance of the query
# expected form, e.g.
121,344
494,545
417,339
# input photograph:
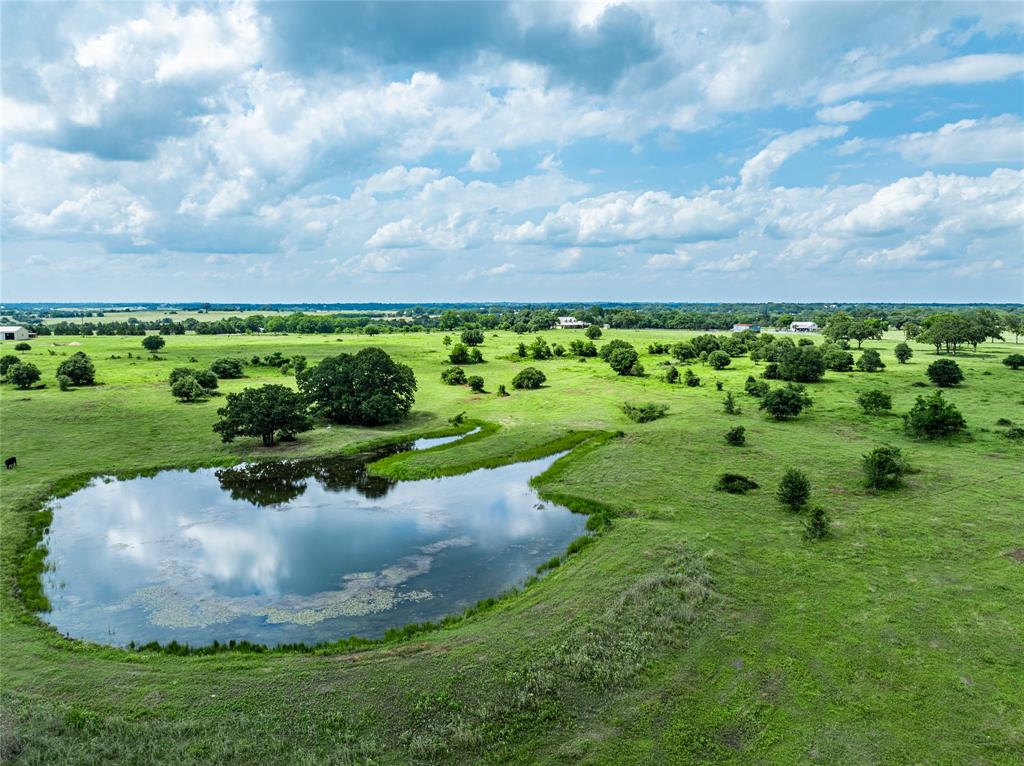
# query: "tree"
79,368
818,525
593,332
755,387
226,368
528,377
794,490
870,361
672,375
729,405
785,403
582,348
472,336
903,352
1014,361
933,418
459,354
22,347
719,360
683,352
368,388
621,356
838,360
153,343
884,468
7,361
476,383
945,373
736,437
691,379
803,364
1014,323
539,349
874,402
206,379
24,375
453,376
521,350
187,389
267,412
447,340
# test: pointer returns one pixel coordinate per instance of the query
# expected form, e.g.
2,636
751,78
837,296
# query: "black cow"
11,462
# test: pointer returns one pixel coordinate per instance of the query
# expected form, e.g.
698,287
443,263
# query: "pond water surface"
283,552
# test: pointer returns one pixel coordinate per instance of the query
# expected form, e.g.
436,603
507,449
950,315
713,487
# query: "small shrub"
24,375
730,406
529,378
903,352
817,526
884,468
945,373
691,379
187,389
644,413
1004,422
593,332
755,387
453,376
736,437
502,391
786,402
64,382
521,350
874,402
7,361
794,490
672,375
227,368
771,371
457,420
719,385
1016,433
735,484
22,346
933,418
1013,361
476,383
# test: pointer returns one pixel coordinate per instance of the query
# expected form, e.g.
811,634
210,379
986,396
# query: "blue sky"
534,151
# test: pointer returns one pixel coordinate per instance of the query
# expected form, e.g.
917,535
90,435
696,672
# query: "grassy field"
700,628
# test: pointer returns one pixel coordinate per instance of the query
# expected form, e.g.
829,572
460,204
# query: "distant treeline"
525,319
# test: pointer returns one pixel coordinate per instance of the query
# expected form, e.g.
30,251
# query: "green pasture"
701,627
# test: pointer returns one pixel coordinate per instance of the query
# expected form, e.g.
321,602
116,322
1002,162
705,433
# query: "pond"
295,551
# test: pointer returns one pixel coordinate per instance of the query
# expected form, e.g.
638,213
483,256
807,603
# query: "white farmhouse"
570,323
13,333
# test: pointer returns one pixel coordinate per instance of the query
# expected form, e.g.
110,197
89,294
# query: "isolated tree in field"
472,336
268,413
226,368
7,362
153,343
785,403
79,368
476,383
945,373
933,417
903,352
24,375
794,490
803,364
870,361
818,525
453,376
593,332
719,360
874,402
368,388
884,468
22,347
623,359
529,377
1014,361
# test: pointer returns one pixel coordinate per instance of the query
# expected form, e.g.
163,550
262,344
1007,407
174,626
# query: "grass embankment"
700,628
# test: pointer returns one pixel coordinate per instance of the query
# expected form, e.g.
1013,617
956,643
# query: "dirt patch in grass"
1017,554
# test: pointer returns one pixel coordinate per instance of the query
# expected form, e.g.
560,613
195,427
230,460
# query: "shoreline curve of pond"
284,552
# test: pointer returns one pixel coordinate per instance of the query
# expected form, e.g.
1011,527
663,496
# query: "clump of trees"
794,490
453,376
368,388
933,417
837,359
736,437
870,361
874,402
644,413
226,368
945,373
801,364
463,354
191,385
153,343
786,402
582,348
884,467
79,369
529,378
622,357
472,336
539,349
268,412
